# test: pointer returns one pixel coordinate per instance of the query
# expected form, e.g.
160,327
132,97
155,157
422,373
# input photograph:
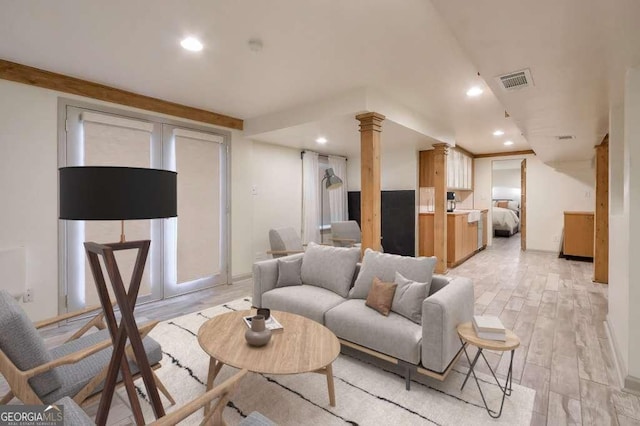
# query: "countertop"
458,212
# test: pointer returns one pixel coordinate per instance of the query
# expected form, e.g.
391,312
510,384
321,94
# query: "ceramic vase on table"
258,334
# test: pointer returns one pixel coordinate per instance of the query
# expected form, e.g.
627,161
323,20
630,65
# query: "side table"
468,336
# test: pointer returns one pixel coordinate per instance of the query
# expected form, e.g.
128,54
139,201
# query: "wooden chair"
75,416
76,368
346,234
284,241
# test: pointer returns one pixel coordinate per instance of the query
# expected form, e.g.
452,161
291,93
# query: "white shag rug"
368,391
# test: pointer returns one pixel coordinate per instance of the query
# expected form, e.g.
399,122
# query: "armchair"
77,417
76,369
284,241
346,234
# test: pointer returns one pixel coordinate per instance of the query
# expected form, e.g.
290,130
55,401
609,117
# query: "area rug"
368,391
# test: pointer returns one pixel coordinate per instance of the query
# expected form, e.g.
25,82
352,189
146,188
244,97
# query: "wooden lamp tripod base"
126,329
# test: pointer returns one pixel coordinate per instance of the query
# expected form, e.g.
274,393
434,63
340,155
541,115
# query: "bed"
505,222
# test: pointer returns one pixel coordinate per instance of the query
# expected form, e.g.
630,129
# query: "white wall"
506,184
624,233
618,296
277,176
398,169
28,187
549,193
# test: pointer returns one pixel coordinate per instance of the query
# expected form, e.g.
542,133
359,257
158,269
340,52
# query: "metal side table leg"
506,390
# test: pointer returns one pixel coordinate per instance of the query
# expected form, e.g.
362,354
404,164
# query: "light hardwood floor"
558,313
550,303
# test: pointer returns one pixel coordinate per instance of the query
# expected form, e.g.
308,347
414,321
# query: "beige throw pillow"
380,296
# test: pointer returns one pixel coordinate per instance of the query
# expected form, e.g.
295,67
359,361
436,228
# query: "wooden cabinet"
485,228
459,170
578,234
426,169
462,237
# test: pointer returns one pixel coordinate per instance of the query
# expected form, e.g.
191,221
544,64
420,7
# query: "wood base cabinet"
462,237
578,234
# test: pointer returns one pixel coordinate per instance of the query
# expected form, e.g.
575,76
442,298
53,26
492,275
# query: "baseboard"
632,385
617,357
241,277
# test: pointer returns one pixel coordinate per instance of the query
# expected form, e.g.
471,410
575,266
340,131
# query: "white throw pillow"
408,298
330,267
384,266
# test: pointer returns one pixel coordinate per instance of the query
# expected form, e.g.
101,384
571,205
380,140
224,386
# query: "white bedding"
504,218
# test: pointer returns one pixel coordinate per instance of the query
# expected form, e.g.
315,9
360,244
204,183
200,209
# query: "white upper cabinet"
459,170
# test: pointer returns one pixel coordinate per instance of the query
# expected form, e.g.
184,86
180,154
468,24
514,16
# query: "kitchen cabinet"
459,170
578,234
462,237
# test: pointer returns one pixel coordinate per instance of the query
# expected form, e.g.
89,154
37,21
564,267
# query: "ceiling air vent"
565,137
516,80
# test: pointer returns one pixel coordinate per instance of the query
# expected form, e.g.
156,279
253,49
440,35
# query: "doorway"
508,203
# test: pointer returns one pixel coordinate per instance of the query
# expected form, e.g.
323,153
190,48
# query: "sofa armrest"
449,306
265,277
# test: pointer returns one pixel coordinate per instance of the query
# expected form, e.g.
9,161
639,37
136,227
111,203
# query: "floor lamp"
119,193
331,181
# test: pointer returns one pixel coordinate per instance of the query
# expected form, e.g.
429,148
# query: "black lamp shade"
117,193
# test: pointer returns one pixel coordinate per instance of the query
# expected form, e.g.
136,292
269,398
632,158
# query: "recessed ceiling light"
498,133
192,44
474,91
321,140
507,143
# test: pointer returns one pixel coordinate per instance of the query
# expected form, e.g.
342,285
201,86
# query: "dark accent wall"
398,220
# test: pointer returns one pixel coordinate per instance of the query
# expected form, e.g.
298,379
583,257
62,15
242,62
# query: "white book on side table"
489,327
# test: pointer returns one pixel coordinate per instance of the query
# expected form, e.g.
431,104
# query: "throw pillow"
408,298
289,272
385,266
503,204
330,267
380,296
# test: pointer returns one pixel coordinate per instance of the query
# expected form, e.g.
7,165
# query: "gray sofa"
333,292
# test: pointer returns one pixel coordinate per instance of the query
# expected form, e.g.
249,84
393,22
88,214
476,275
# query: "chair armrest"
449,306
284,251
63,317
224,391
265,277
74,357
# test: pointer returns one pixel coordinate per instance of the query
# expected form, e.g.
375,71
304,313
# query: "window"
188,252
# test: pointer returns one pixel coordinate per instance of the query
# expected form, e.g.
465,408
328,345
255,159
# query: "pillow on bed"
513,205
503,204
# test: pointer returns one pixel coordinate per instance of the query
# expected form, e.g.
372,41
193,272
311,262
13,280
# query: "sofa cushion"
306,300
75,376
289,272
330,267
394,335
381,296
384,266
408,298
22,344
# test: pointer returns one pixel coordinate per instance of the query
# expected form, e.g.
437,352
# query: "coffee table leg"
214,369
332,392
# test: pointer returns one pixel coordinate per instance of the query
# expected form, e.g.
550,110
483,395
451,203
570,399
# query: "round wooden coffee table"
468,336
303,346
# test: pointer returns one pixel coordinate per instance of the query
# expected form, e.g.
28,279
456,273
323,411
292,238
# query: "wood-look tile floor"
550,303
558,313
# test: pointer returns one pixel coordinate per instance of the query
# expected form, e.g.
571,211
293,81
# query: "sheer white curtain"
338,197
310,198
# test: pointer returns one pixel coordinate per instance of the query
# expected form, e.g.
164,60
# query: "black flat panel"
398,220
